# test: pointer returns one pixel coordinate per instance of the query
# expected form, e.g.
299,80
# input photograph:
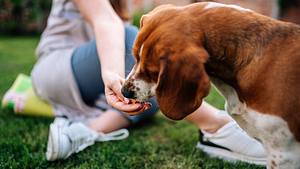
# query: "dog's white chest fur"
282,147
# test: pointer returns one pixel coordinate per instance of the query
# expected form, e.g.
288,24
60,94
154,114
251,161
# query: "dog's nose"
127,93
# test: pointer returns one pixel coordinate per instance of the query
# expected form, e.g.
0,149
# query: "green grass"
159,144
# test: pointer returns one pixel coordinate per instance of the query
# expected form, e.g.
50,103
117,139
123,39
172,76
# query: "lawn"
158,144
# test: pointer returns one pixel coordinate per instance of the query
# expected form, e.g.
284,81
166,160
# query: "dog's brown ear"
182,83
142,20
148,24
142,35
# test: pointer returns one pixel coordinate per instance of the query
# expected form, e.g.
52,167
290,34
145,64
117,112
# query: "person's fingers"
122,81
134,113
145,107
131,109
116,88
137,112
114,101
126,100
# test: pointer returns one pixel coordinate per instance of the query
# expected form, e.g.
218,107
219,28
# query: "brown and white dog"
252,59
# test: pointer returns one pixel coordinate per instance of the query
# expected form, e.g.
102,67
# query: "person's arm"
109,35
110,41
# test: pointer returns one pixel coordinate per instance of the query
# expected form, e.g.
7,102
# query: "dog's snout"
127,92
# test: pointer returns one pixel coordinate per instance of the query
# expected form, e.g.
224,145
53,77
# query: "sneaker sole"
52,147
230,156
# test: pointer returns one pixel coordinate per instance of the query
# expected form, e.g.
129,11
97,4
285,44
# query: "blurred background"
23,17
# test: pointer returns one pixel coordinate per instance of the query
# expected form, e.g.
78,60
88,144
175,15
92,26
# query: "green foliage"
158,144
136,18
23,16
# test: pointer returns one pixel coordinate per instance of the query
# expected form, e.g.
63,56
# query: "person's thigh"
53,80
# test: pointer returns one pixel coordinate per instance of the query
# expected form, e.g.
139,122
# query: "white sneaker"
231,143
66,138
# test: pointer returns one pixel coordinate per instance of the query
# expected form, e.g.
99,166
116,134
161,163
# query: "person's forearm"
109,35
110,40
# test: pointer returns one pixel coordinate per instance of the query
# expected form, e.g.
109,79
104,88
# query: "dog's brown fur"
257,55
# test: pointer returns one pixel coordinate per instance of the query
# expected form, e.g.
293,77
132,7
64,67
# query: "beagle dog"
253,60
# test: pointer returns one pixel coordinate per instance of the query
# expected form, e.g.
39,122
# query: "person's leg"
67,137
220,136
207,118
112,120
108,122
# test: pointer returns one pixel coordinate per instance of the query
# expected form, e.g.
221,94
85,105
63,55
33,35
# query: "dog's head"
169,63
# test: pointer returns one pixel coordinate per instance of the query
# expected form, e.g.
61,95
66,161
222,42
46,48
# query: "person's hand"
113,84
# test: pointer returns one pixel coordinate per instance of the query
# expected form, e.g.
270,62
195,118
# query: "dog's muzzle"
127,92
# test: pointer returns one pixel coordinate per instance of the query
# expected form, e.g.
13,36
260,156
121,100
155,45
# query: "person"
83,57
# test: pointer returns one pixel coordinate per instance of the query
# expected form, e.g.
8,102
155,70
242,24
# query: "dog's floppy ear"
148,24
182,83
143,18
154,11
142,35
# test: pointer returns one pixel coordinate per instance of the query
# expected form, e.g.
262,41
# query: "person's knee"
41,79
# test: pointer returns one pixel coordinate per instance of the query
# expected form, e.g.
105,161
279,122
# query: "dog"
253,60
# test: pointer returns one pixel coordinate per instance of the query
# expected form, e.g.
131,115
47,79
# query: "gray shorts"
53,81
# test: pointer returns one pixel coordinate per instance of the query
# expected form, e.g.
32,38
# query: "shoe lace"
81,136
115,135
80,143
